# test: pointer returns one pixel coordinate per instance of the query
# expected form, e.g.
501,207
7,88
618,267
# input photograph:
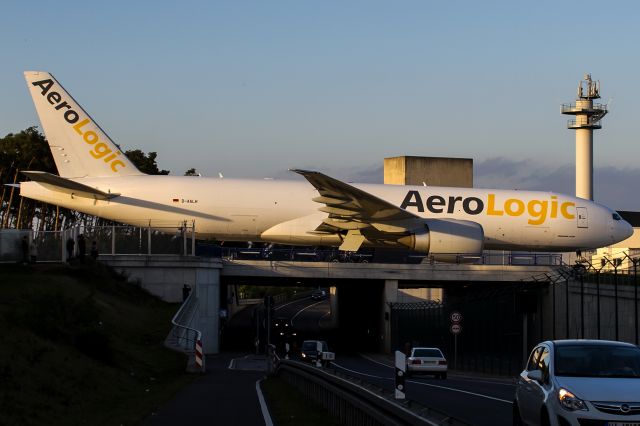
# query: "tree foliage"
146,163
29,150
192,172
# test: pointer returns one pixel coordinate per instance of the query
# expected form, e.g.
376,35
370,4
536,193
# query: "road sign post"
456,328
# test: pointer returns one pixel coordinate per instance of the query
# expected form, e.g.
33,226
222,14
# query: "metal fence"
491,340
372,255
503,322
110,239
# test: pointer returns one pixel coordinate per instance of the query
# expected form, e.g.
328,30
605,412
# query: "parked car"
319,295
428,361
579,382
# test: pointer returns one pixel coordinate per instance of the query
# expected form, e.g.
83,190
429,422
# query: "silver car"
580,382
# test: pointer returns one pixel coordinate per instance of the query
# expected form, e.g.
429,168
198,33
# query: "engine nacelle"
447,240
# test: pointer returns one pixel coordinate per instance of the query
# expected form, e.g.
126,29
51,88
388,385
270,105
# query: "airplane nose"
625,230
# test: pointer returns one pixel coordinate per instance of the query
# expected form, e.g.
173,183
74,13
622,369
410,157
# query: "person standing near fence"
33,252
71,244
94,250
82,247
24,245
185,292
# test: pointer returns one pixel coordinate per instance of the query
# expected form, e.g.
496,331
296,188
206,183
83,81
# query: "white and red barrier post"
199,357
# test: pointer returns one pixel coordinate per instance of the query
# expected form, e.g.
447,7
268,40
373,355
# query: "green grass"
288,407
80,346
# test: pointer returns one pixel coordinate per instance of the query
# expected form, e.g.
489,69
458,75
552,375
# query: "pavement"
225,395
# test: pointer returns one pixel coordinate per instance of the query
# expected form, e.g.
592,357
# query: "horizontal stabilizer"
68,186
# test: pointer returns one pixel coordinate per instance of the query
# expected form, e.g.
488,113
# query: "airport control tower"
588,116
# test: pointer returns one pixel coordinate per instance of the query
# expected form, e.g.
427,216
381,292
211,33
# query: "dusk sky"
253,88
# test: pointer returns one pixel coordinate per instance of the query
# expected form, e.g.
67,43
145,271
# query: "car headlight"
570,402
304,355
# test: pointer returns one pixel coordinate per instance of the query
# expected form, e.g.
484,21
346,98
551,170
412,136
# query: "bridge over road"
409,274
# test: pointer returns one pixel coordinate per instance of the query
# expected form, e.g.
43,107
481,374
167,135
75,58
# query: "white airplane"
96,178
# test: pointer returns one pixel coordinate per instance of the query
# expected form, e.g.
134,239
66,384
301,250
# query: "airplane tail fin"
79,146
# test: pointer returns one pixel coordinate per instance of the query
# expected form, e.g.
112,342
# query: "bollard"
401,372
199,360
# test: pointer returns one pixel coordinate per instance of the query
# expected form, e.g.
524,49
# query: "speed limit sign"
456,317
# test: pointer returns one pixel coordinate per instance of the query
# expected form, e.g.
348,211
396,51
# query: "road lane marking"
462,391
302,310
293,301
429,384
263,405
361,374
456,376
377,362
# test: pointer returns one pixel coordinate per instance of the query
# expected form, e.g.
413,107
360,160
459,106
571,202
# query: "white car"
427,360
580,382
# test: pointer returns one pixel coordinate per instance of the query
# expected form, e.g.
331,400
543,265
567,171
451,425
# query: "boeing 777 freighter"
95,177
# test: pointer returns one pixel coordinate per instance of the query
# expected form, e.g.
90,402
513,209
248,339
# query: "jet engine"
447,240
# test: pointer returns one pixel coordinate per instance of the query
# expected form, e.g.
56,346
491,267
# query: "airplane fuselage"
253,210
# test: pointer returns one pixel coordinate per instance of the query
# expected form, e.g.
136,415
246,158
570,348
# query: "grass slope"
78,346
288,407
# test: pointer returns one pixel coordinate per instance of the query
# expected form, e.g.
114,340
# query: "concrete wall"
434,171
414,295
164,276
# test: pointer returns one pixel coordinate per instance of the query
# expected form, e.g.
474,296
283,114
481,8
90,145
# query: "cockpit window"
616,216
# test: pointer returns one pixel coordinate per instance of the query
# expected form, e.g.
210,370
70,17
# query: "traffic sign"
456,328
456,317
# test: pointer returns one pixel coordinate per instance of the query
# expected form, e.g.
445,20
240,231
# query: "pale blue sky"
252,88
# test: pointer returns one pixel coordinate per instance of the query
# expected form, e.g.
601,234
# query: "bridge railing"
300,254
184,338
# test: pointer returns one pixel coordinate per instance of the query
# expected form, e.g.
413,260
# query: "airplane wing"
358,212
68,186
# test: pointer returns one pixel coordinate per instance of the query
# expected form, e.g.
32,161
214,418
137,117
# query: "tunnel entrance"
290,311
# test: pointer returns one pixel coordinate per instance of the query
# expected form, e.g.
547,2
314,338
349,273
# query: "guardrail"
184,338
355,403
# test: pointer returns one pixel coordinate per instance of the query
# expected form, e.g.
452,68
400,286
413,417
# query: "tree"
146,163
192,172
29,150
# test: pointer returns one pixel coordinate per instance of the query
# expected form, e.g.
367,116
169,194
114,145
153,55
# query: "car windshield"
435,353
309,346
597,361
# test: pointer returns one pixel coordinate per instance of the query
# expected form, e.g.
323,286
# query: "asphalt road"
306,315
477,401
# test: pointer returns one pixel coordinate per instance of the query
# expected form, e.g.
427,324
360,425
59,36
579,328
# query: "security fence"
502,322
56,246
491,329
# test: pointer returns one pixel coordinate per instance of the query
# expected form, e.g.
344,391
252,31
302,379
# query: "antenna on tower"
588,116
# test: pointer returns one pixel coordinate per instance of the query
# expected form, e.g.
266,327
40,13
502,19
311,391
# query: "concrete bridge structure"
165,275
